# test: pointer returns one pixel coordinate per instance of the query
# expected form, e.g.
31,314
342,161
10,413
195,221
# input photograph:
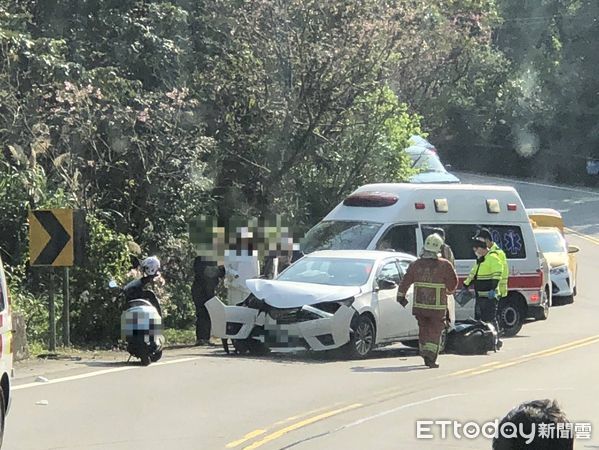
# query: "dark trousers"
203,325
486,310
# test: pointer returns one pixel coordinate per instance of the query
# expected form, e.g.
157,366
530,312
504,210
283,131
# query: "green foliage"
96,310
370,150
179,336
34,308
145,114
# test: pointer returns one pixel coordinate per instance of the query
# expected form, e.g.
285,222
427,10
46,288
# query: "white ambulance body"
399,216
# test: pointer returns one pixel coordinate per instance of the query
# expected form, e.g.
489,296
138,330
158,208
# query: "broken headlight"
332,307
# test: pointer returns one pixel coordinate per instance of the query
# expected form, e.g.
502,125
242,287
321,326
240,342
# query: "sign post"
66,306
52,244
51,312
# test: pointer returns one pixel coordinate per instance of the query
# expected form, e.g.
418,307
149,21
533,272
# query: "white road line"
391,411
544,389
533,183
100,372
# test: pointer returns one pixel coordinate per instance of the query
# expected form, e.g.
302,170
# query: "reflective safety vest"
505,272
433,279
424,299
486,275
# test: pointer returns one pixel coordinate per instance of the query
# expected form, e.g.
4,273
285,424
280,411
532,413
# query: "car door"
411,322
394,319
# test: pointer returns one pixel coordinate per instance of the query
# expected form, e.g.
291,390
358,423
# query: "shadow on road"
307,357
109,364
388,369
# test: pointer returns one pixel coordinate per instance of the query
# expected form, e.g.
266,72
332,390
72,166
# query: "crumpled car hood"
288,294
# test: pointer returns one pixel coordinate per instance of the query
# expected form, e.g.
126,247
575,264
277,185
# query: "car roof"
417,150
360,254
403,188
547,230
543,212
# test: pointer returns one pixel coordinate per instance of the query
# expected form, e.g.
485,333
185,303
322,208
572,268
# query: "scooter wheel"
156,356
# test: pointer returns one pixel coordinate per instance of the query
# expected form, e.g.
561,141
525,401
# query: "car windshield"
340,235
329,271
426,162
551,242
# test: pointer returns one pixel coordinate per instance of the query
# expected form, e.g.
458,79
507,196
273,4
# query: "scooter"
141,322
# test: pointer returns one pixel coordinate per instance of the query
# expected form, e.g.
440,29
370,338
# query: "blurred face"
480,252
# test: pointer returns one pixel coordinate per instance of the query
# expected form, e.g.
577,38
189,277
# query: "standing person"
282,256
446,251
485,276
241,264
207,274
275,262
486,236
433,278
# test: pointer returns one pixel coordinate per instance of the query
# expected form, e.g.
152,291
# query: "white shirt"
239,267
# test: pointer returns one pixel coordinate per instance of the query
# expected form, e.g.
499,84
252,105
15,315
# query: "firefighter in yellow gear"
433,278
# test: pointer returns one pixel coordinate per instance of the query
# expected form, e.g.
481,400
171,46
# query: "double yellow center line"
489,367
591,239
324,414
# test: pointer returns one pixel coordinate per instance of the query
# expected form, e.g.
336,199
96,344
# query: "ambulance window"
510,239
340,235
399,238
458,237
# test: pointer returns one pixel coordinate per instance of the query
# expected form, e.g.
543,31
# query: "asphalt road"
202,399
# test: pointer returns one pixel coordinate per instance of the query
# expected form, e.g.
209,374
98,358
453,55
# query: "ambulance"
6,356
399,216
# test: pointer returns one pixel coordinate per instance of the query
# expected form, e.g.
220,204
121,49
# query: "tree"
281,79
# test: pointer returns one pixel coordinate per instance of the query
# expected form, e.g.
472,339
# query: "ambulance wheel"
510,317
2,415
362,338
443,340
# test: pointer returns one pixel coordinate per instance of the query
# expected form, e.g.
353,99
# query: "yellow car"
548,227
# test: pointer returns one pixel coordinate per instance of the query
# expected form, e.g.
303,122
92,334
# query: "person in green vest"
485,276
486,236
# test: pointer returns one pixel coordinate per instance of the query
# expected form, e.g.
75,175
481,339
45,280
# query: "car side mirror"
385,284
573,249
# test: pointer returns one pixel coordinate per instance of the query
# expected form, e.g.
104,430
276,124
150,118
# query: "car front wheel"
362,338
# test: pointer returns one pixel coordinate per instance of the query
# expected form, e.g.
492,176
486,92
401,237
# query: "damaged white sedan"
326,300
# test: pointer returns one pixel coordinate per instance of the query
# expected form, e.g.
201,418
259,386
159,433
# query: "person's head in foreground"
538,420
